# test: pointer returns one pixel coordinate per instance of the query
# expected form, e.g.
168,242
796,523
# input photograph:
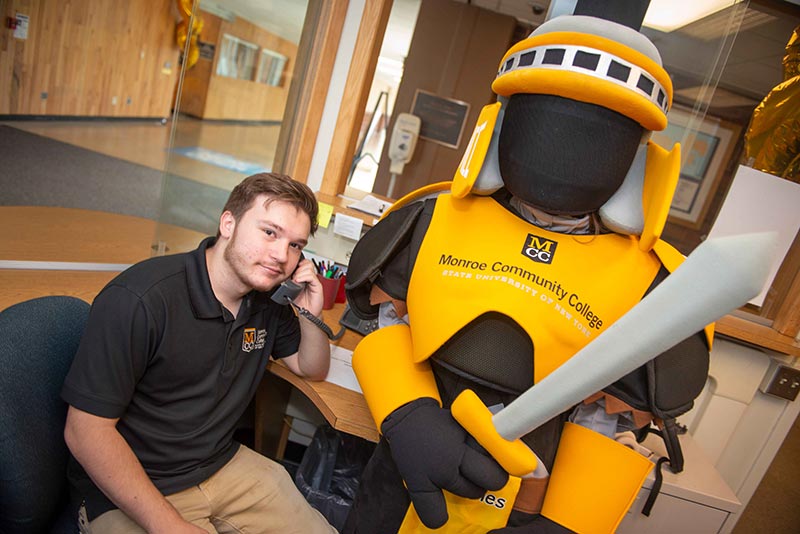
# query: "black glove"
433,452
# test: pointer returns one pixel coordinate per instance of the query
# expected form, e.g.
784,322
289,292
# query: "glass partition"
86,89
229,109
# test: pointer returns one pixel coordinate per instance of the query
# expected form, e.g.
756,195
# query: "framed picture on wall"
443,119
706,147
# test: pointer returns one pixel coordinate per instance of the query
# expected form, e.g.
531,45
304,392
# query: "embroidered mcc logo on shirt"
253,339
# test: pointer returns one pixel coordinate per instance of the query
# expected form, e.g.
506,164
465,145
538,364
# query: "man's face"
265,246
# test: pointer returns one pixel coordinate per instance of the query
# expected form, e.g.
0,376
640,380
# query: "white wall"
740,428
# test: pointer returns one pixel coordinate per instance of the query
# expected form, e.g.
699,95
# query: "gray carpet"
40,171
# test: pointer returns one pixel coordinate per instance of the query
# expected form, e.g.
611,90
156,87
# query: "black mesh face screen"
494,349
565,156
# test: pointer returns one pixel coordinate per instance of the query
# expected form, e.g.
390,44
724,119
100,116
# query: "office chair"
38,339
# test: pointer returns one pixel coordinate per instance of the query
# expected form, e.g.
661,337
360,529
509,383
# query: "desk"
50,234
344,409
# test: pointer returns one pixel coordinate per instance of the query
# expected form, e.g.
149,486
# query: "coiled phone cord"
317,321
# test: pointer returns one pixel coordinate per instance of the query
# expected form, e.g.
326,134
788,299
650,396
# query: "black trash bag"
330,471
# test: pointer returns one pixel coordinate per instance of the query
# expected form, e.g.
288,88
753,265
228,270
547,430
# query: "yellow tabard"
564,290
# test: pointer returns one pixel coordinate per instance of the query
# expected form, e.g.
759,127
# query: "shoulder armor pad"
378,246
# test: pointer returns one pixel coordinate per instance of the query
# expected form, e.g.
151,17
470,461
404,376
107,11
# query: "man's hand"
433,453
310,297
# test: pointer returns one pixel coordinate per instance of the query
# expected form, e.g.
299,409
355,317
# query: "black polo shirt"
178,370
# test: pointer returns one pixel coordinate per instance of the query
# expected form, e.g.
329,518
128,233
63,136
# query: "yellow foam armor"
589,283
387,374
515,457
583,88
594,481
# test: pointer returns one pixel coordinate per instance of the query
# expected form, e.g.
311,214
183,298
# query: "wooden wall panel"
363,63
89,58
209,96
306,102
454,53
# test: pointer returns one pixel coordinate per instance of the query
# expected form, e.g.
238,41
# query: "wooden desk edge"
760,335
359,421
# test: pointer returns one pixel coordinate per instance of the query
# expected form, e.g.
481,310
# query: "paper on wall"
347,226
760,202
21,30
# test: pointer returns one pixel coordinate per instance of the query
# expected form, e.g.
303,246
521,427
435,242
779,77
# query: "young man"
173,352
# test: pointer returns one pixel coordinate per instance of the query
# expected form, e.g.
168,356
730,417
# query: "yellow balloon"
182,32
772,141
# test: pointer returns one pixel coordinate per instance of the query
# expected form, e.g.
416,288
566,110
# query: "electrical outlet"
783,381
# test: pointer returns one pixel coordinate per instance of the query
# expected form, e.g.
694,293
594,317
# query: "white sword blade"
718,277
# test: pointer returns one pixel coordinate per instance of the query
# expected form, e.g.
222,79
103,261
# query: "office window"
237,58
270,67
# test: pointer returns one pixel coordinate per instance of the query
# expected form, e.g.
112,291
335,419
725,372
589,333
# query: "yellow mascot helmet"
590,60
599,62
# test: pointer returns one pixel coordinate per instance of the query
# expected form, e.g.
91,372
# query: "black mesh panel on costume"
562,155
493,349
688,363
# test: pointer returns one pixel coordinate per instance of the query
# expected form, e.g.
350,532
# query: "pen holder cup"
330,287
341,297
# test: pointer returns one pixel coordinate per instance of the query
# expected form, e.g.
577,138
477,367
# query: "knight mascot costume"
495,293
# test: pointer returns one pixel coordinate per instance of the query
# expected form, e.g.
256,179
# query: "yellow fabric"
416,195
559,306
469,516
660,180
594,481
472,161
672,258
514,456
583,87
387,375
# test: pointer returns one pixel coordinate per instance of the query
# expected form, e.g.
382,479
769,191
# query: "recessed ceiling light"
669,15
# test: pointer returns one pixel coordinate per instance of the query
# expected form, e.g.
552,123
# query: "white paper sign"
760,202
21,31
347,226
341,370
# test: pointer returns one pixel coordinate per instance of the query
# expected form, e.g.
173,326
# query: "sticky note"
324,216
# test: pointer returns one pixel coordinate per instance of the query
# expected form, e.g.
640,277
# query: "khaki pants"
251,494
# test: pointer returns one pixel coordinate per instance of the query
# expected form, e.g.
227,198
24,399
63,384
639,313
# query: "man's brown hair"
276,187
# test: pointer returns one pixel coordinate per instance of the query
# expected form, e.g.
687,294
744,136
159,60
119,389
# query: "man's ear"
227,223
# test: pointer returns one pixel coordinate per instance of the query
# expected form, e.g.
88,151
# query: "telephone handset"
288,291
